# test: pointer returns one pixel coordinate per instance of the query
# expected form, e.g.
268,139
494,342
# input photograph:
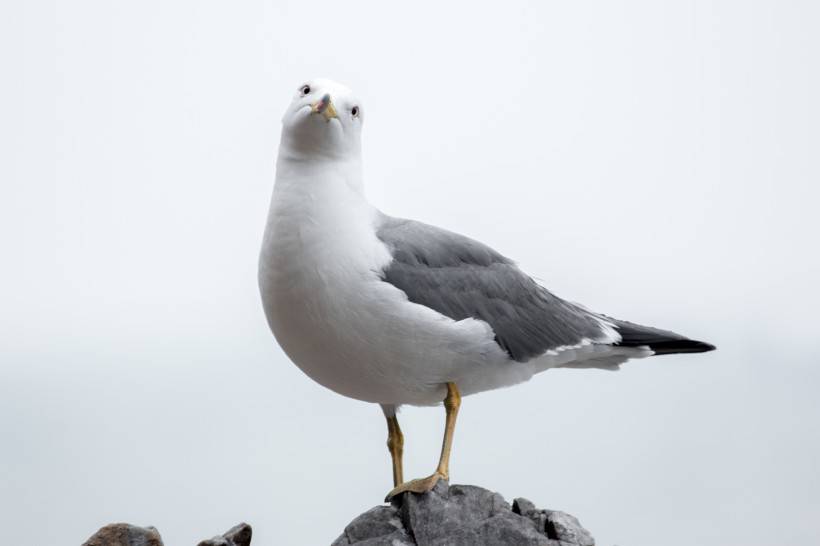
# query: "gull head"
324,119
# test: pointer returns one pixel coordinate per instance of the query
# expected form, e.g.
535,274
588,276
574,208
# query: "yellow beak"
325,107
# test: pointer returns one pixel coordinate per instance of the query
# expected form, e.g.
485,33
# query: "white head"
324,120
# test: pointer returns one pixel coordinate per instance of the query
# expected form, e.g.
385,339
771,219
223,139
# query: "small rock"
124,534
556,525
567,529
239,535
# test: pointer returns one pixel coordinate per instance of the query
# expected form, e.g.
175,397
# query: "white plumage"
396,312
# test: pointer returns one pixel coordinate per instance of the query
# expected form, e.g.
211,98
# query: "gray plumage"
463,278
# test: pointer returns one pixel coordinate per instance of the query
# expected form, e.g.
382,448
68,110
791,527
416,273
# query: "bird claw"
421,485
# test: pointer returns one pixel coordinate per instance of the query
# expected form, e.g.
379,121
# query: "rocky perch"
461,515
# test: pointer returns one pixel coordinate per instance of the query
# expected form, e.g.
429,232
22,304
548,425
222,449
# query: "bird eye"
355,111
304,90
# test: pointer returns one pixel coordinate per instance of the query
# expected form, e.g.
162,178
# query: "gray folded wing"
463,278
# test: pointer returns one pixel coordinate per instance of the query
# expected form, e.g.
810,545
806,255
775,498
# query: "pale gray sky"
656,161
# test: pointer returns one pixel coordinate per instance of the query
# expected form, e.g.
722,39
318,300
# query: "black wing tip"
681,346
662,342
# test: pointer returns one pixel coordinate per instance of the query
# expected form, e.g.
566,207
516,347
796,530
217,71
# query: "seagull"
397,312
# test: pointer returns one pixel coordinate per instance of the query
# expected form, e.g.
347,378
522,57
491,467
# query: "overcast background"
657,161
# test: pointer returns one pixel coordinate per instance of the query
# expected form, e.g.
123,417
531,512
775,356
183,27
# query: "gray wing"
462,278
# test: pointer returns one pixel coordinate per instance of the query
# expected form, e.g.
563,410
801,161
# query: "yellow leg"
451,405
395,444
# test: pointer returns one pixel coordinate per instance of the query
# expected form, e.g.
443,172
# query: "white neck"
317,175
317,200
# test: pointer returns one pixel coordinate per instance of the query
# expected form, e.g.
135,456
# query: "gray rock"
239,535
379,526
560,526
462,515
124,534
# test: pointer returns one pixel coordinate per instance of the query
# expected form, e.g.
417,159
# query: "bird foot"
421,485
